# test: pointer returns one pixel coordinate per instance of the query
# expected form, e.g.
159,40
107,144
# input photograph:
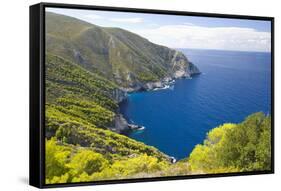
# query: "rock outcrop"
120,124
119,94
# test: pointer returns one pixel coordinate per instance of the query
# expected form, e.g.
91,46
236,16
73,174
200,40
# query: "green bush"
66,163
56,159
87,161
235,147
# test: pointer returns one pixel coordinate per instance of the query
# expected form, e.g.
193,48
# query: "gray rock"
120,124
119,95
192,69
153,85
183,68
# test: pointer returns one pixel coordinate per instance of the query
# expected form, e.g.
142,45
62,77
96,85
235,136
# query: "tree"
56,158
235,147
87,161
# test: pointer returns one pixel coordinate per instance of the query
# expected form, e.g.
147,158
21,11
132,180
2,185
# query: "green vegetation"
65,163
80,146
64,78
235,147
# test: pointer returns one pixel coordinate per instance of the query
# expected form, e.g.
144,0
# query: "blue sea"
232,86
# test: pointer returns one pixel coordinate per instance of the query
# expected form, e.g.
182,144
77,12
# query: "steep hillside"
81,112
129,60
81,108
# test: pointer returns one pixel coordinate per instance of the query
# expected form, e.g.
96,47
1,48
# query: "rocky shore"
179,67
122,126
165,82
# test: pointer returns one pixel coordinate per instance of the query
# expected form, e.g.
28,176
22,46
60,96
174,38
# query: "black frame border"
37,93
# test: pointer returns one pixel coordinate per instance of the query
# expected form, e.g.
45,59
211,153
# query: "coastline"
121,125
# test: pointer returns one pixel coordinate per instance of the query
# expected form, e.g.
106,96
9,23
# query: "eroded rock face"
182,67
193,69
153,85
180,74
120,124
119,95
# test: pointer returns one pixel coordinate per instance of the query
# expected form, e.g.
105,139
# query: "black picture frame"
37,93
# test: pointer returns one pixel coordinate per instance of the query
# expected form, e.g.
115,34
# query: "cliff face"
182,67
177,67
120,124
119,95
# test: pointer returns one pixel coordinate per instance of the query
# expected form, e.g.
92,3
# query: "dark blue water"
232,86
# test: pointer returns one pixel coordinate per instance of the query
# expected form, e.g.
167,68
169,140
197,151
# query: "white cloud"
187,23
192,36
127,20
93,16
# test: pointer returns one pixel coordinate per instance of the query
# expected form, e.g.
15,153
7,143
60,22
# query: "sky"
183,31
